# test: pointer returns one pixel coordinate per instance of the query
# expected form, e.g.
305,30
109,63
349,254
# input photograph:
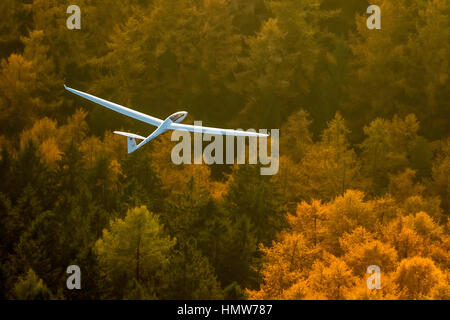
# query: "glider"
172,122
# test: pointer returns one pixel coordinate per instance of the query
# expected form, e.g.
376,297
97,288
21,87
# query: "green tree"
39,246
12,27
18,82
280,68
410,54
296,138
31,287
441,175
330,167
255,197
134,249
386,149
190,275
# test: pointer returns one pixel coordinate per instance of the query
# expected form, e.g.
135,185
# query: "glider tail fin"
131,142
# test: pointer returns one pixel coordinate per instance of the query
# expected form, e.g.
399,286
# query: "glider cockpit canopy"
178,116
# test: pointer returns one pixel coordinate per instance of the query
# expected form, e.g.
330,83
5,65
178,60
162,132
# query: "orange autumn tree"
325,252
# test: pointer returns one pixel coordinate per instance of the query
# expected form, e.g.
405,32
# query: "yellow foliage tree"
331,279
285,263
417,277
309,221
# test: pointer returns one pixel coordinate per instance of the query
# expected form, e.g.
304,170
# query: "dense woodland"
364,177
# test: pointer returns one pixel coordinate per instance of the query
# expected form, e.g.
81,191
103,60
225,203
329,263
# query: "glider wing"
209,130
118,108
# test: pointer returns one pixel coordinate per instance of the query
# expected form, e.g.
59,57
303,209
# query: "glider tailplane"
131,142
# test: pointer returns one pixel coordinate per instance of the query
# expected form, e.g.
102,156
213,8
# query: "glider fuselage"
163,127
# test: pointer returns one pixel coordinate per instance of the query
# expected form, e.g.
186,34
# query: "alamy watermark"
374,280
73,22
374,20
74,280
233,147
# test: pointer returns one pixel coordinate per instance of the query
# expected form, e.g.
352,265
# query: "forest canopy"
364,174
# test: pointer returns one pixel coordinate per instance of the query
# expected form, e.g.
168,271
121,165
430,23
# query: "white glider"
172,122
